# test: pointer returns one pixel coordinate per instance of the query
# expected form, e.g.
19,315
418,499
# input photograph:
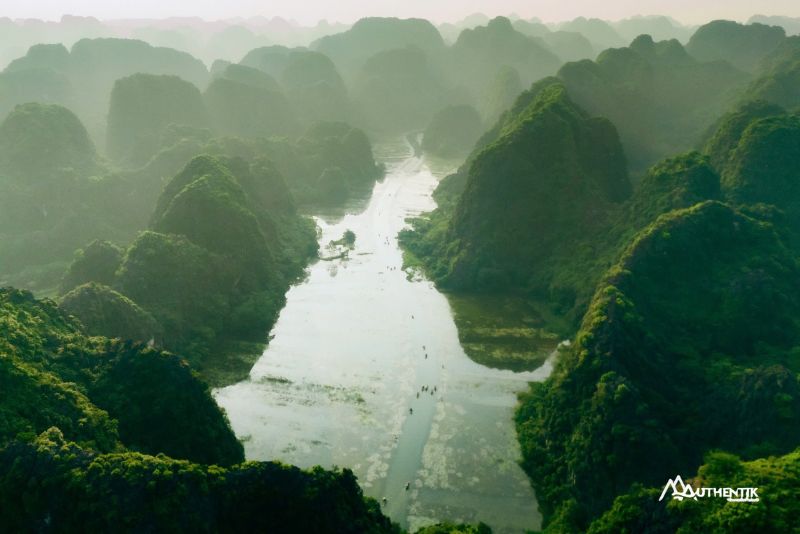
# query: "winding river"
358,347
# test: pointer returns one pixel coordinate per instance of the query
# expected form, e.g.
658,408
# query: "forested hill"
680,281
530,221
551,167
635,183
101,393
224,243
675,357
73,488
109,435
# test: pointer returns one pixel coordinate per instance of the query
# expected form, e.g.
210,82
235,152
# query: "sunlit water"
348,361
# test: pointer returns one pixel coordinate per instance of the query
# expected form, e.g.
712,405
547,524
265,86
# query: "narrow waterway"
358,347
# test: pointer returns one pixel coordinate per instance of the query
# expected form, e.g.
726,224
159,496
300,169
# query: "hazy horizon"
684,11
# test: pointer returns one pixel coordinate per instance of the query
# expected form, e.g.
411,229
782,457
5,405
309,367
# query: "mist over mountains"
629,187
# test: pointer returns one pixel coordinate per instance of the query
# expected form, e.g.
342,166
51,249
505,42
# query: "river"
351,352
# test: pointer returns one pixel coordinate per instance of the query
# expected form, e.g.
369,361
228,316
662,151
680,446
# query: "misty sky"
309,11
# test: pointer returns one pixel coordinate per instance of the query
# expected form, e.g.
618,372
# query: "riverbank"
340,378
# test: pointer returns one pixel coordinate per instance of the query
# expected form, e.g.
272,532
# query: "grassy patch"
505,332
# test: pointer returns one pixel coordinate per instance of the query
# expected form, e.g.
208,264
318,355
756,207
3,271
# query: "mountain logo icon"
680,490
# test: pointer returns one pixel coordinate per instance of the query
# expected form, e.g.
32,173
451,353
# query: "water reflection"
357,348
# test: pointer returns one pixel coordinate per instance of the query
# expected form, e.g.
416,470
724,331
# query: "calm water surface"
348,362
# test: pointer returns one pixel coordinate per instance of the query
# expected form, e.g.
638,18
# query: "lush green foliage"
674,183
98,261
47,191
54,481
649,385
213,211
779,76
757,149
161,406
182,284
777,480
689,334
730,128
581,248
543,188
225,243
42,223
677,354
250,76
337,149
42,84
104,312
35,399
42,143
104,394
763,165
551,148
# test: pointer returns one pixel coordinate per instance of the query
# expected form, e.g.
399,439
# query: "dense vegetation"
97,262
625,85
306,163
88,426
48,195
642,192
682,287
78,489
776,477
779,76
68,149
649,386
224,243
103,394
645,391
540,186
105,312
57,200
